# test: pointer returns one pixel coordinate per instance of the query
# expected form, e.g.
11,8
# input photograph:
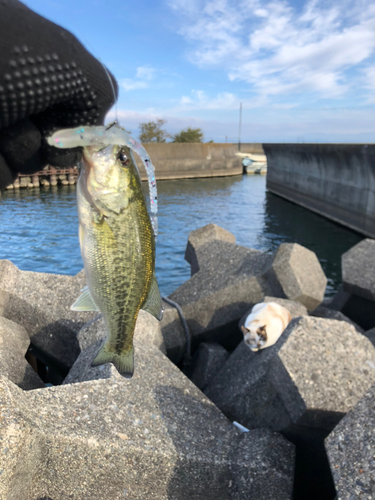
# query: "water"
39,227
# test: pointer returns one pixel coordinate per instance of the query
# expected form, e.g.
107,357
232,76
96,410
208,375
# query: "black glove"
48,81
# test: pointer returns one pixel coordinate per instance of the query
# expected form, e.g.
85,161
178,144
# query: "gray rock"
358,266
155,436
201,236
313,375
262,451
207,362
326,312
14,343
296,273
173,333
41,303
147,330
296,309
351,451
229,280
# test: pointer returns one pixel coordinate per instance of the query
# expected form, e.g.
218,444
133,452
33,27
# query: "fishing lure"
112,134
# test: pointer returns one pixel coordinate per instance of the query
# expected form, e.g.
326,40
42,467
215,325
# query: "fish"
117,238
264,325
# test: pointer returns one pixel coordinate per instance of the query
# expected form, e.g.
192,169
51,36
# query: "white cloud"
144,75
200,100
277,49
145,72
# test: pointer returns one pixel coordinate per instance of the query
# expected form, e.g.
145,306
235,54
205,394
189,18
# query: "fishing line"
128,141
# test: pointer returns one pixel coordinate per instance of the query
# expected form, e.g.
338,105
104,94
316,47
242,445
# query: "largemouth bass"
116,237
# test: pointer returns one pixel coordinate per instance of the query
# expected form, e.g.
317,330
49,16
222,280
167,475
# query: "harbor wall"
334,180
251,147
184,160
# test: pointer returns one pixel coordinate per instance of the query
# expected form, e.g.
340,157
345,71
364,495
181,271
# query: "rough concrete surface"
296,272
253,477
14,343
296,309
358,266
227,283
147,331
202,236
351,451
152,437
41,303
315,373
326,312
173,333
208,360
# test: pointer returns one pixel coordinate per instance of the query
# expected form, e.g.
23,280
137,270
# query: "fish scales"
118,250
117,235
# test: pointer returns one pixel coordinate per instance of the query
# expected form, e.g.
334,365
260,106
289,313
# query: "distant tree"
152,132
189,135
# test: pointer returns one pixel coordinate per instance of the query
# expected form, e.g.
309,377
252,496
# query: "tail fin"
124,363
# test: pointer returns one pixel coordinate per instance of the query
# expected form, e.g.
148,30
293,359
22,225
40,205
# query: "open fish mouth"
106,135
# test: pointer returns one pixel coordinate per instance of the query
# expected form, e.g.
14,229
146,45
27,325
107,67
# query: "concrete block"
315,373
14,343
326,312
173,333
201,236
155,436
262,451
296,274
41,302
207,361
358,266
147,331
228,283
351,451
296,309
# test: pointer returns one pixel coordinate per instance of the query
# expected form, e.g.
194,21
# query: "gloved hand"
48,81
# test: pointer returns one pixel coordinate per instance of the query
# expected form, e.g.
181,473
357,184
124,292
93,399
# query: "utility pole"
239,133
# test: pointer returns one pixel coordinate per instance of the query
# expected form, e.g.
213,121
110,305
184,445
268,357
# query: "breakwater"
171,161
334,180
47,177
192,160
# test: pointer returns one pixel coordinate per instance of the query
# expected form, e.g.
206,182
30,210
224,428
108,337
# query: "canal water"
39,226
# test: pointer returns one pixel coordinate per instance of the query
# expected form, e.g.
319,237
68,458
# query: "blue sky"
303,70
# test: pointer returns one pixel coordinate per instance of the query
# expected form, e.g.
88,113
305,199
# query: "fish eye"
123,158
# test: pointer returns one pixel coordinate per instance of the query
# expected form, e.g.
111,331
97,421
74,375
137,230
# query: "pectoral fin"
154,304
85,302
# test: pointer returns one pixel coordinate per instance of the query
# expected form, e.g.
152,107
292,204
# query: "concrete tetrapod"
14,343
314,374
41,302
295,272
227,283
351,451
155,436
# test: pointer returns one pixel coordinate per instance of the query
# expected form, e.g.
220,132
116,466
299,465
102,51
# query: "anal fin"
85,302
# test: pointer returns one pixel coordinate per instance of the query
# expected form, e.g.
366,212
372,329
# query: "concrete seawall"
184,161
334,180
